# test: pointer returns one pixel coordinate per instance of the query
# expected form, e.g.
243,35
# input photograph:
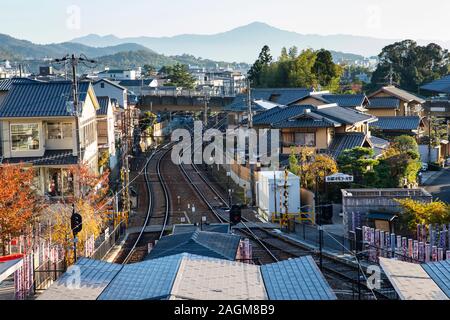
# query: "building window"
24,137
102,85
59,130
305,139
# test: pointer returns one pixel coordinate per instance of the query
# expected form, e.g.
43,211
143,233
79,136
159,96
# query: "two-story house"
354,101
327,128
394,102
39,129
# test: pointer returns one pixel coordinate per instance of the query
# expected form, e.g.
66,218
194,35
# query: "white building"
118,74
107,88
270,194
39,129
105,129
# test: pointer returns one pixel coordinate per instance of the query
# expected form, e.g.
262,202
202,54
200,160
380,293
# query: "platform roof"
410,281
296,279
440,273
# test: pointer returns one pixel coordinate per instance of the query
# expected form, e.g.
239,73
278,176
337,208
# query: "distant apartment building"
119,74
225,82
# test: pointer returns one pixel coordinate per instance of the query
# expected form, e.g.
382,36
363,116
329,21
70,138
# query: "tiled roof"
187,276
301,116
113,71
296,279
6,84
437,106
213,279
188,228
50,158
282,96
208,244
44,99
239,104
440,86
343,115
399,93
410,281
440,273
146,280
114,84
93,276
384,103
346,100
346,141
397,123
303,123
103,103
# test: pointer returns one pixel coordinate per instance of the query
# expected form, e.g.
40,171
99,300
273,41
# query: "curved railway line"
271,247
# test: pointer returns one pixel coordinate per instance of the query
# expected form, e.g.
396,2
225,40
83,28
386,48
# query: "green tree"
179,76
358,162
325,68
399,164
410,65
148,70
263,61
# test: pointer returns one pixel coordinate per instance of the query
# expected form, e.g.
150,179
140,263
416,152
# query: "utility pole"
250,127
74,61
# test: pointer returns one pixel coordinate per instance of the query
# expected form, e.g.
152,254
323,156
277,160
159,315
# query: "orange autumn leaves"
17,201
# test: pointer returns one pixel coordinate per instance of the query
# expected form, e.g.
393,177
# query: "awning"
382,216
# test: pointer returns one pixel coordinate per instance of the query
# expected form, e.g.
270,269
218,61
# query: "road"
440,187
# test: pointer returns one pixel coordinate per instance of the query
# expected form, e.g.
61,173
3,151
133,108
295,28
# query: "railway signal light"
235,214
76,222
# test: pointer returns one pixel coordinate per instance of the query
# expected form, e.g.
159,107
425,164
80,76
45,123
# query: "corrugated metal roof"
397,123
83,281
346,141
215,227
440,86
6,84
146,280
440,273
410,281
384,103
208,244
104,104
213,279
44,99
296,279
346,100
50,158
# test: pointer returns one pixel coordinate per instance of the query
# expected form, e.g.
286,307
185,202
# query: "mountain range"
244,43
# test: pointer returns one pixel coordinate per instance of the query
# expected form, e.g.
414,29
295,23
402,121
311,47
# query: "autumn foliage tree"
18,202
90,201
416,212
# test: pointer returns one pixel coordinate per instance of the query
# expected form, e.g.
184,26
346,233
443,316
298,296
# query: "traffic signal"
76,222
235,214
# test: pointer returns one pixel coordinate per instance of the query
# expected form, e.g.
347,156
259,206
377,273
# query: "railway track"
270,247
158,212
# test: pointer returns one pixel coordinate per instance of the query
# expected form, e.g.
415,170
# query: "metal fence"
48,272
107,240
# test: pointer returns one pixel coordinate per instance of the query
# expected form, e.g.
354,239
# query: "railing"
105,242
47,273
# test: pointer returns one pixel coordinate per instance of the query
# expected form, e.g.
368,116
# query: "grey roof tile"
346,100
384,103
397,123
6,84
346,141
440,86
296,279
50,157
43,99
208,244
440,273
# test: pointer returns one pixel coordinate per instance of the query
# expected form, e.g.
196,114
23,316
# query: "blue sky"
47,21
